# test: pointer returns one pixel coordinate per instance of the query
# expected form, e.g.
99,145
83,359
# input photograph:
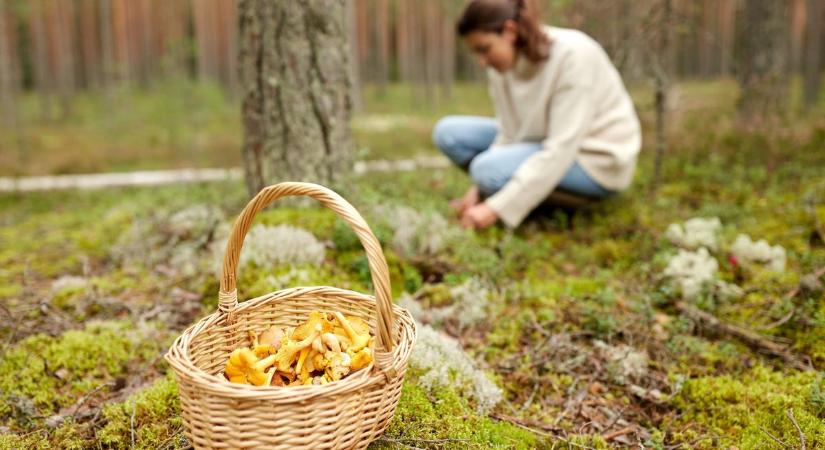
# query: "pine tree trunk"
728,21
662,71
813,51
8,77
357,89
43,83
295,86
763,61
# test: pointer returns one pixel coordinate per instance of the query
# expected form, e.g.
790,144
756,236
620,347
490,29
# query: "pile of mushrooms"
327,347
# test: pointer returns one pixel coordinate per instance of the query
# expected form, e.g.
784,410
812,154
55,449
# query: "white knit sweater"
576,105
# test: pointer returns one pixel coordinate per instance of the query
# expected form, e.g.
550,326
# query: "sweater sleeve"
571,112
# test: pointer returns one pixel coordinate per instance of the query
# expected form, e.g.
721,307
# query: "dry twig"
789,413
617,433
774,438
752,339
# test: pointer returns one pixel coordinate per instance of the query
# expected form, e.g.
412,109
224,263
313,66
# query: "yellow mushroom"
317,321
260,350
361,359
244,367
271,336
302,356
289,350
310,361
358,324
357,340
343,338
319,362
339,365
318,345
304,376
331,341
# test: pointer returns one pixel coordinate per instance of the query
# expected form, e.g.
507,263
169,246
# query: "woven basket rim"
178,353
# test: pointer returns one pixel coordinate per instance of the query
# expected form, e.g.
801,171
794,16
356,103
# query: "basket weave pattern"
349,413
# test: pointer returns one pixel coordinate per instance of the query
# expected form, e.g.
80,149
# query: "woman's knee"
487,174
444,137
443,132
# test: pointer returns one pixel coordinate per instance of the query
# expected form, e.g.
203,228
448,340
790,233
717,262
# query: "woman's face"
497,50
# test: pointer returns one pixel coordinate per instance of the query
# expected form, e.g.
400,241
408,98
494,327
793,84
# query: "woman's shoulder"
575,49
569,38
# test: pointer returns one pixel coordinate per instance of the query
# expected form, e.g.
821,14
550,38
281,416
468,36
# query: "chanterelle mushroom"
290,349
331,341
338,366
357,340
244,367
261,350
272,337
361,359
317,321
319,362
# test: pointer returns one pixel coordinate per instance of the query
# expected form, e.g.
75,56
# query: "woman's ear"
510,31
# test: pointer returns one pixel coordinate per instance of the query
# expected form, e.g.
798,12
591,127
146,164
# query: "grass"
563,287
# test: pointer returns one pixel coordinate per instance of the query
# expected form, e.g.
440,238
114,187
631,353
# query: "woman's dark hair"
490,15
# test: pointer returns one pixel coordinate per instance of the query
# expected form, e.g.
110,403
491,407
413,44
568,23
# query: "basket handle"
228,298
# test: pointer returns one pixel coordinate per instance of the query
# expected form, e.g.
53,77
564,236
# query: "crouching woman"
564,121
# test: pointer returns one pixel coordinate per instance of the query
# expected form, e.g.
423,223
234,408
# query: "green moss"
254,281
153,414
421,416
10,290
68,436
699,356
317,220
610,251
52,372
739,410
15,442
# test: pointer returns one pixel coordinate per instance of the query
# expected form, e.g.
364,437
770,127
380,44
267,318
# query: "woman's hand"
470,199
479,216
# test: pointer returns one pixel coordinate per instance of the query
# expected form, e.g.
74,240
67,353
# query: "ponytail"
490,16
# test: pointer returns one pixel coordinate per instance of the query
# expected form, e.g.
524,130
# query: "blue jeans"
466,140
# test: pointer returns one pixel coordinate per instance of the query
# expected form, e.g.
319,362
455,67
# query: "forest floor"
565,333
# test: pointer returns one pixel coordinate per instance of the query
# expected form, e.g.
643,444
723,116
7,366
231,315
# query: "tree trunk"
355,74
763,60
813,49
89,45
64,53
727,18
661,75
43,83
295,89
8,77
382,41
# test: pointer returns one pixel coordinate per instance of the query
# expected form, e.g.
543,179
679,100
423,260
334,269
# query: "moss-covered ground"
95,285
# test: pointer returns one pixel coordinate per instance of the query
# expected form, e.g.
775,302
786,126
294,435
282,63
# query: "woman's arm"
571,112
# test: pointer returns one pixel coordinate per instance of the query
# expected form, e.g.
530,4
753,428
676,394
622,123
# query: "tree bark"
728,21
813,52
9,78
356,90
296,105
763,60
661,76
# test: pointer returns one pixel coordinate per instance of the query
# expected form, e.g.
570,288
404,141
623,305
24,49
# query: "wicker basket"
349,413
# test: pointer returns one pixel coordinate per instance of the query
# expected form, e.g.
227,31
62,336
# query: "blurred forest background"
69,62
